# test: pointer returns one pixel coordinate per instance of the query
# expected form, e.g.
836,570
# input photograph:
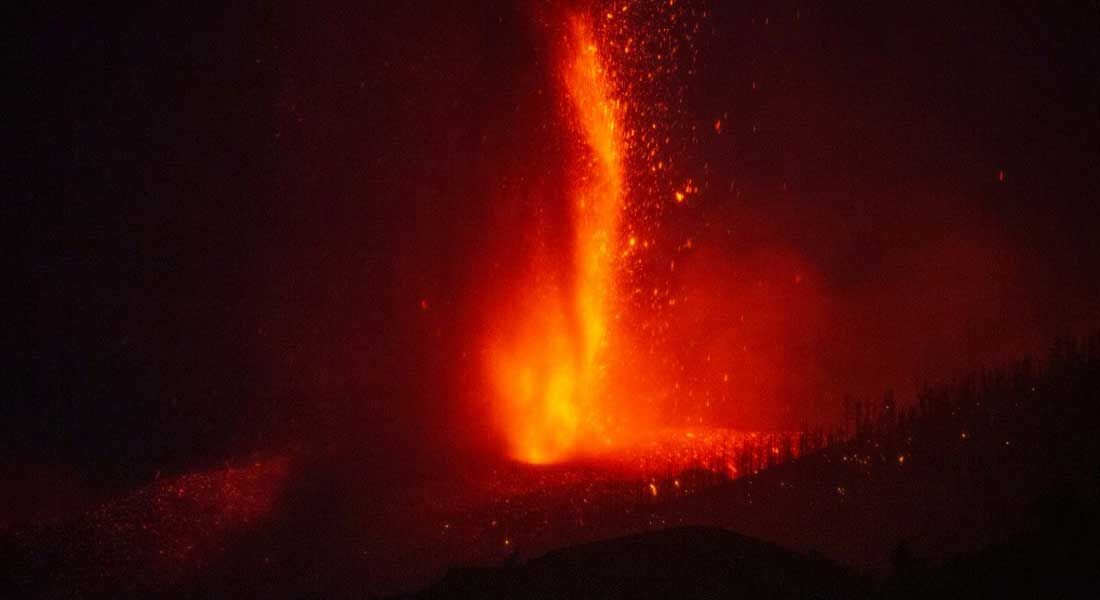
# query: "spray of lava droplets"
567,379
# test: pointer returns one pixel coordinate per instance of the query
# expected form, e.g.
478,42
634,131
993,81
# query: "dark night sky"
226,218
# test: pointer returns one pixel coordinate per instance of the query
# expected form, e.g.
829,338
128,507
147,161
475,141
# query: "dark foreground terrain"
1059,561
679,562
985,487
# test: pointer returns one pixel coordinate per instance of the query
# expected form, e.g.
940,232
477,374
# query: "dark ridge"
684,562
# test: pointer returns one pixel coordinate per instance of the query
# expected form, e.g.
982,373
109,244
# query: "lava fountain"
550,378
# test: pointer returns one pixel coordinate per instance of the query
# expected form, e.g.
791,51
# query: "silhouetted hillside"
684,562
1035,565
1058,560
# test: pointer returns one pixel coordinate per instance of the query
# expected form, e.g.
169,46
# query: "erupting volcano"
334,299
552,379
567,371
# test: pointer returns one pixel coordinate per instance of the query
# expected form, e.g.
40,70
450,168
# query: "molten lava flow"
551,378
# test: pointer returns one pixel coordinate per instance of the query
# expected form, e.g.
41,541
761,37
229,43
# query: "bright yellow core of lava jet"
550,380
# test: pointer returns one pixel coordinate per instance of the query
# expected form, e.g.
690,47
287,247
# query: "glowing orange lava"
551,379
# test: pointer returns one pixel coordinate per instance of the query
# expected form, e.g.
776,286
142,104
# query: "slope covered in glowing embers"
161,534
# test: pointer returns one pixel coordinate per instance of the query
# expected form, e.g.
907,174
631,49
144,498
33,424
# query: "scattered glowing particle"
679,197
718,126
653,489
901,459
